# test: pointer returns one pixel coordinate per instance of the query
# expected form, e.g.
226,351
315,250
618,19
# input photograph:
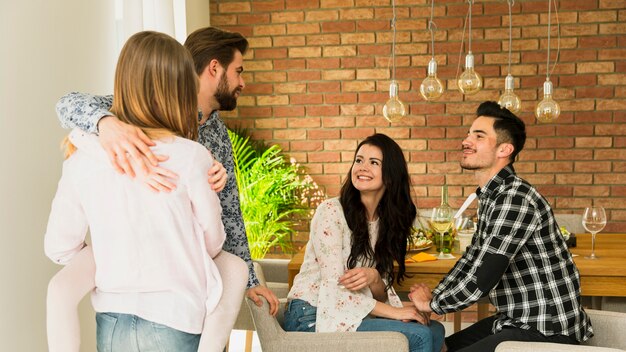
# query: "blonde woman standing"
155,277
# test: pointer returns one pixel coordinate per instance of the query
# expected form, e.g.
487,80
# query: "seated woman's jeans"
129,333
301,316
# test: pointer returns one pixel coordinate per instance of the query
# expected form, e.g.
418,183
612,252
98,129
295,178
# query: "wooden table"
605,276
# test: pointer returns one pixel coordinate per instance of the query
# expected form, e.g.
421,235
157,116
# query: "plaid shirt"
539,287
85,110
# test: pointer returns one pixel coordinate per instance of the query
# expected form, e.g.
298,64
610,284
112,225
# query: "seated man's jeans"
301,316
129,333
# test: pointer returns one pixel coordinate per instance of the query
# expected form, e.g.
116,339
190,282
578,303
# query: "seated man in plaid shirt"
517,257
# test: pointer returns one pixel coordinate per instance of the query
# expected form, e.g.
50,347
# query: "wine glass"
441,221
465,228
594,220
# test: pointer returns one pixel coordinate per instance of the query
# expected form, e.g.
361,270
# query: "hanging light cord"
393,42
511,3
558,43
469,33
458,66
431,27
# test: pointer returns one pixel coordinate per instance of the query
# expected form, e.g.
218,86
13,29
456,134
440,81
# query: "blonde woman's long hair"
156,87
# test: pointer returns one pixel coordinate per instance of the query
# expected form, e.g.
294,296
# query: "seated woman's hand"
410,313
358,278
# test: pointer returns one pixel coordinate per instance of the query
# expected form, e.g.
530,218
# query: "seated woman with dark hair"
345,282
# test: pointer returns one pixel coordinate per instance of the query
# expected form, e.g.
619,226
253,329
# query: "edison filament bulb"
470,82
431,87
508,99
547,110
394,109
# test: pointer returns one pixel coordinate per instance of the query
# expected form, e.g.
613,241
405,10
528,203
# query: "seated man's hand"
420,295
121,140
254,292
217,176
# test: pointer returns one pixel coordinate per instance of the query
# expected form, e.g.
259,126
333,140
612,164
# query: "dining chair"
608,330
572,222
272,273
615,304
275,339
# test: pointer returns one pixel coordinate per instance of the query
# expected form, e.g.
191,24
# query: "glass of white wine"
594,220
441,222
465,229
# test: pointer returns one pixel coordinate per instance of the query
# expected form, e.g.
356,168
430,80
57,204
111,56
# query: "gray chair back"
273,338
572,222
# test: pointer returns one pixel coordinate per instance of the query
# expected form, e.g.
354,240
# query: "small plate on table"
419,249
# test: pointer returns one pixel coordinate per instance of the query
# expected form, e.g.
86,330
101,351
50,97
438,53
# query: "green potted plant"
273,192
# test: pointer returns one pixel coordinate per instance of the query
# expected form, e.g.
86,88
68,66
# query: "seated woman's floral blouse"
327,251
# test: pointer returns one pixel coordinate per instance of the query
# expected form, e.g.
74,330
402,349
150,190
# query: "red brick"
592,116
338,26
331,110
285,111
323,134
357,133
323,87
592,191
302,4
572,154
612,54
306,76
259,88
303,122
285,17
329,122
268,6
592,166
593,142
594,92
610,154
574,179
254,112
253,19
289,64
270,123
306,99
323,63
340,98
577,80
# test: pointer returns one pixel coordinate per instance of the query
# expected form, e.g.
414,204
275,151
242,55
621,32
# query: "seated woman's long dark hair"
396,212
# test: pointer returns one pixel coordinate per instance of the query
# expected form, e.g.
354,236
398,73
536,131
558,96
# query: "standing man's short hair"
206,44
509,128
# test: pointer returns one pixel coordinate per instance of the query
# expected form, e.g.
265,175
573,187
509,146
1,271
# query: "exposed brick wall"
318,75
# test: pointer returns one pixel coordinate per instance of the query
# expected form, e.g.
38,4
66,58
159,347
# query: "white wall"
47,48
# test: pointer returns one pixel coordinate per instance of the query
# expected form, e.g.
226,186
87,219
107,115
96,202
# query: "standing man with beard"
517,257
218,59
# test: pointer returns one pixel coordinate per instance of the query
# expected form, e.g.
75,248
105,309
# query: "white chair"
274,339
273,274
572,222
608,329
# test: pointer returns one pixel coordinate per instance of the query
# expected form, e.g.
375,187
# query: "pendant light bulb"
431,87
547,110
470,82
394,109
508,99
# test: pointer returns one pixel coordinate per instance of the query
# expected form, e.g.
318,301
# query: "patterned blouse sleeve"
83,110
338,309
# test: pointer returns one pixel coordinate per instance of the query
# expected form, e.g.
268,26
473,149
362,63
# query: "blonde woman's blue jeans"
118,332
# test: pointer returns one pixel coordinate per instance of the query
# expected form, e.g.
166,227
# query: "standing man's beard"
227,100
